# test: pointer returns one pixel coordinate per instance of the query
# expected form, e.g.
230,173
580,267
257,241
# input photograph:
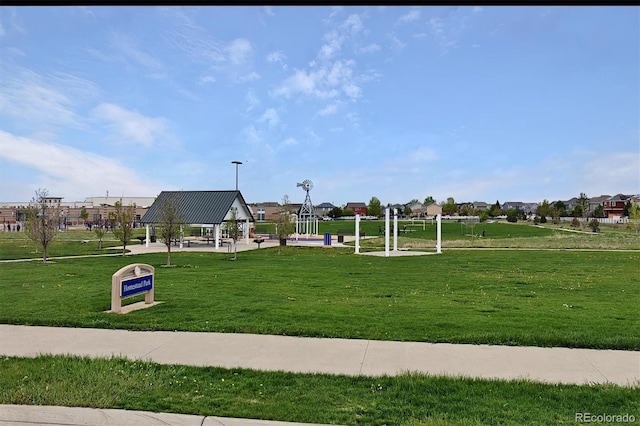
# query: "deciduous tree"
284,224
233,228
122,220
374,208
43,221
171,222
450,207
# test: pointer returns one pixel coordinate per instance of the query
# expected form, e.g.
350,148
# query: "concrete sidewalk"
332,356
38,415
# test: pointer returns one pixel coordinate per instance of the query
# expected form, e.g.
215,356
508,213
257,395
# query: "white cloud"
373,47
205,79
2,31
477,9
252,100
127,50
239,51
270,117
268,10
131,126
277,57
412,16
74,171
290,142
396,43
330,109
32,98
353,24
325,82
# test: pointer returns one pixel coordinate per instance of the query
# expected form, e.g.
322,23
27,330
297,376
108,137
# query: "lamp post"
237,163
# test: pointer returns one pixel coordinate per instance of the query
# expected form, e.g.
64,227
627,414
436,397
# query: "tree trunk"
169,253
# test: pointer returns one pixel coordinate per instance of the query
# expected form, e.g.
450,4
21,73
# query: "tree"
467,210
374,208
450,207
495,209
544,210
429,200
43,221
84,214
407,210
583,202
595,225
335,212
170,224
99,230
121,219
627,208
634,217
284,225
233,227
558,210
512,215
598,211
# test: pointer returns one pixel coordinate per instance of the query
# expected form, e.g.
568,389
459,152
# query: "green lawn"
410,399
515,297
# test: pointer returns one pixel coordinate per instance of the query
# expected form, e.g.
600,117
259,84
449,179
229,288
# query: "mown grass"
515,297
16,245
409,399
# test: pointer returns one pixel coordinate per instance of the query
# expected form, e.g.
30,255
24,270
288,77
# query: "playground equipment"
395,232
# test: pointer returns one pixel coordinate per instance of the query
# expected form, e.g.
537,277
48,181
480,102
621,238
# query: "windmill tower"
307,220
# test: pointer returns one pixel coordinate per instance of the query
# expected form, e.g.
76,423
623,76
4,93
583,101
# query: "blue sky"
475,103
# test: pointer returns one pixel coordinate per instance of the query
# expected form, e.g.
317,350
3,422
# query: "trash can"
327,239
341,238
153,238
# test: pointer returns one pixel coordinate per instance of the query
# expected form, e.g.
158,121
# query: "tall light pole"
237,163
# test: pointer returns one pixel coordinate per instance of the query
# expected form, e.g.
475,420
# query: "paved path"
333,356
36,415
295,354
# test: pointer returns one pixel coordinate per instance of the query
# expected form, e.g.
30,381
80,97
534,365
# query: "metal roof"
197,207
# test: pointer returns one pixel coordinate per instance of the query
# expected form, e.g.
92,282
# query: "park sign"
132,280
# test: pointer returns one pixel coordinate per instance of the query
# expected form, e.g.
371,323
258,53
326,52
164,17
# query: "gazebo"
207,209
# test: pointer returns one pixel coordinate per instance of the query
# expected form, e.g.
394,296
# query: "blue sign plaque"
137,285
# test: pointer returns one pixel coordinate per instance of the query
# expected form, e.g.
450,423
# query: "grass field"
410,399
515,297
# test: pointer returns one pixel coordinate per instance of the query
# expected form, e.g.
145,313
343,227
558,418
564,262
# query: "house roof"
325,206
355,205
203,207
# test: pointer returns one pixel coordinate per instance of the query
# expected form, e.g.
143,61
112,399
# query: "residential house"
417,209
480,206
614,206
432,210
357,208
516,205
323,209
265,211
594,202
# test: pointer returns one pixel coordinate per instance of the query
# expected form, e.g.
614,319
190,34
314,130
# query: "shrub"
594,225
575,222
484,216
536,220
512,215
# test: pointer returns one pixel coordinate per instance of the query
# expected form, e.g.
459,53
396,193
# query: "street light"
237,163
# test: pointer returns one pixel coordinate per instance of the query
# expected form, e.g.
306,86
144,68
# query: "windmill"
307,214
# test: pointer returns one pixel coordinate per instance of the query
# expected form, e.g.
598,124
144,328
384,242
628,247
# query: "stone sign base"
134,307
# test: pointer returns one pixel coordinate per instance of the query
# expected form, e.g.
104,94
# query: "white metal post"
247,230
357,234
181,236
386,232
439,234
146,244
395,229
216,230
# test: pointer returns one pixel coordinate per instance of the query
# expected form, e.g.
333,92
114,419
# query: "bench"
258,241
